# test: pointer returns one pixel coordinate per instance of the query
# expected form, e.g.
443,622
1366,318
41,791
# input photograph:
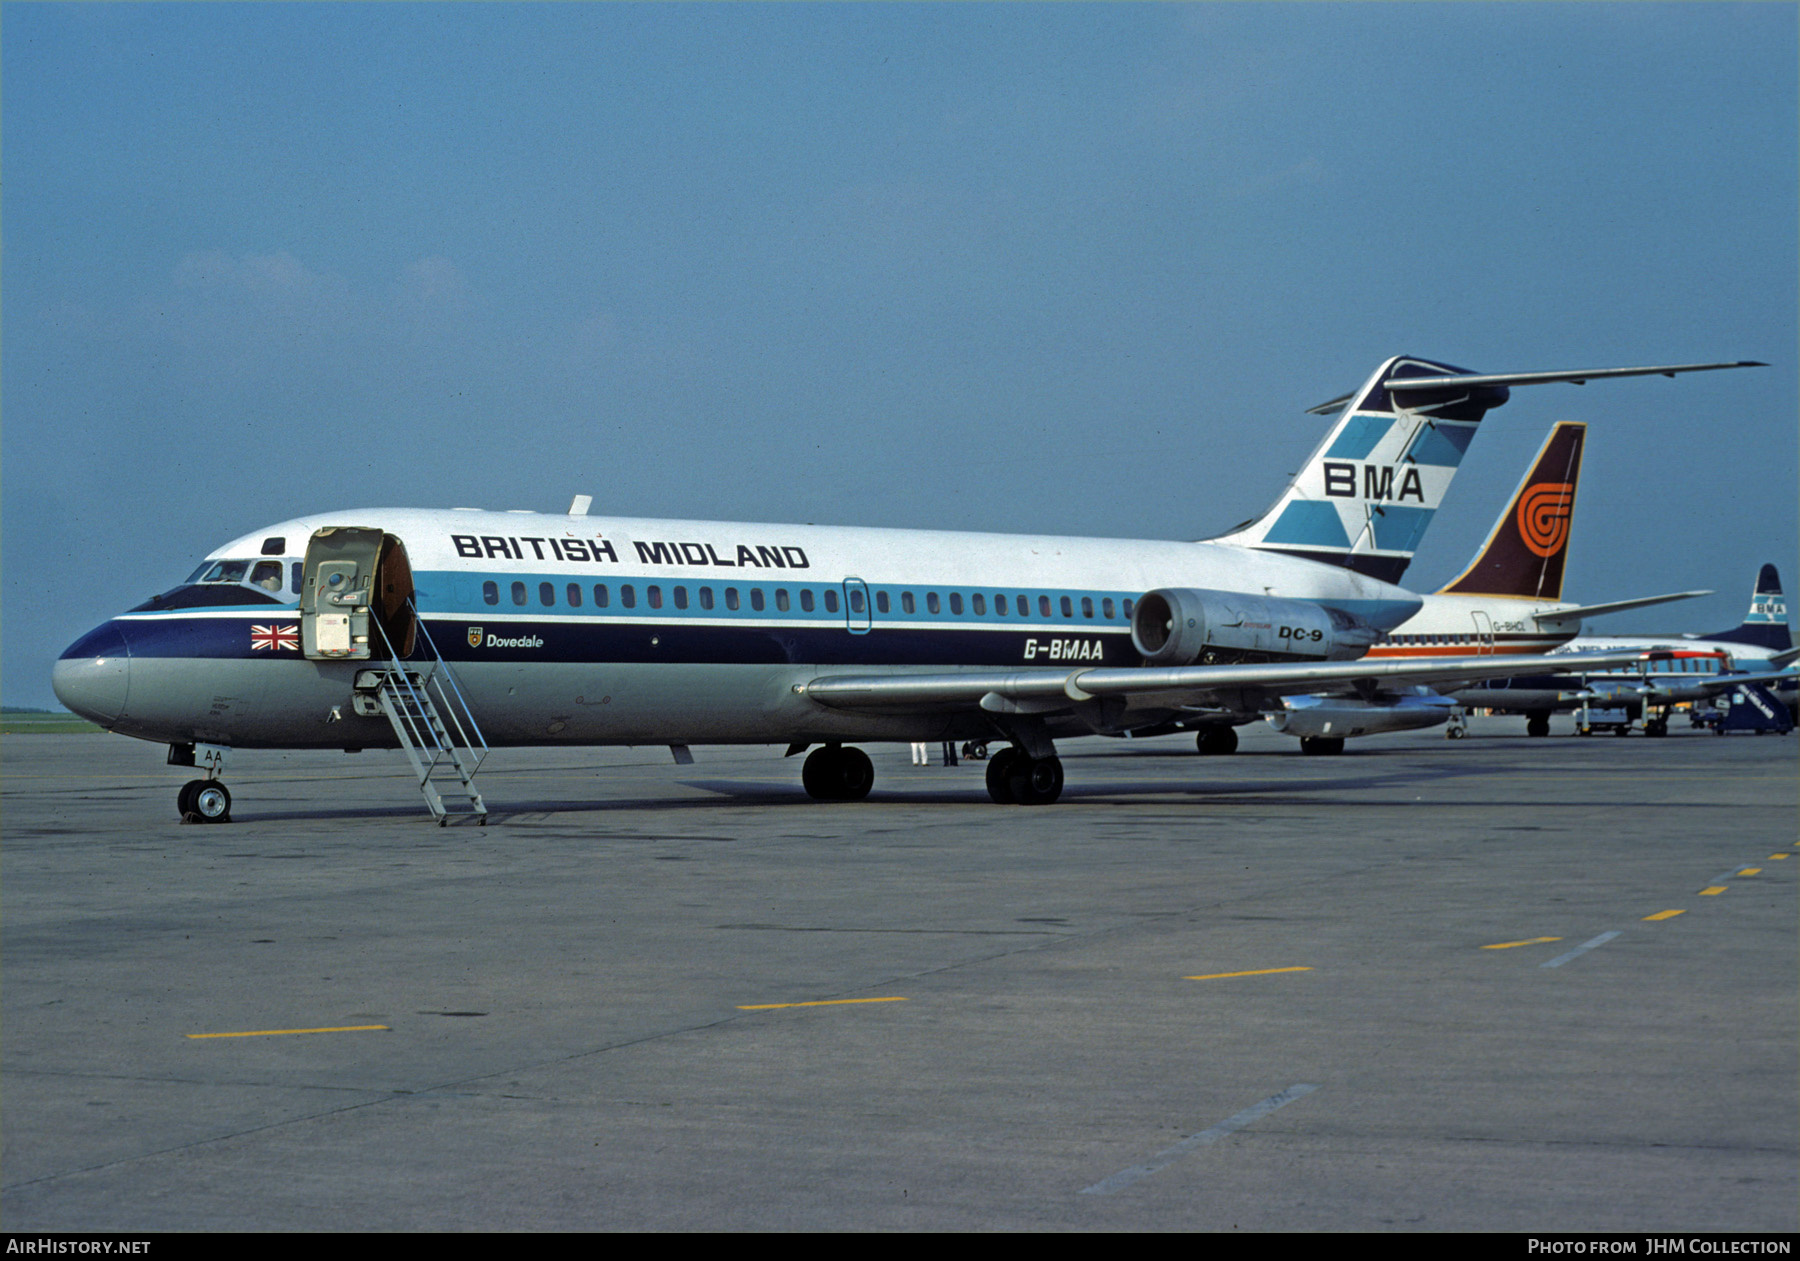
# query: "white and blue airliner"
445,632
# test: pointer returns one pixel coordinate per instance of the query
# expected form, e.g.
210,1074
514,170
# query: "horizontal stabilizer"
1614,606
1574,377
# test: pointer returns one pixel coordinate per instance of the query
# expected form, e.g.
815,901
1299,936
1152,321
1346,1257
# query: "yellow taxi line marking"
1777,857
1712,891
823,1002
1749,871
1220,976
1664,915
270,1033
1508,945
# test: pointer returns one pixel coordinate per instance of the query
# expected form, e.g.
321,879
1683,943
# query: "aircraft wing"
1671,689
1574,376
1048,691
1614,606
1785,659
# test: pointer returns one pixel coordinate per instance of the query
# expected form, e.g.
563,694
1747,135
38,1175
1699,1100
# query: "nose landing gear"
204,801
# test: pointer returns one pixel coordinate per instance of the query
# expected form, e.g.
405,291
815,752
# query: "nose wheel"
204,801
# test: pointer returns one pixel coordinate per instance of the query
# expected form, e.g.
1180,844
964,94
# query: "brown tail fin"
1523,555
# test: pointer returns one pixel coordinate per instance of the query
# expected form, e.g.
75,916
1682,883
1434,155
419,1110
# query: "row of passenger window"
1437,639
574,596
1687,665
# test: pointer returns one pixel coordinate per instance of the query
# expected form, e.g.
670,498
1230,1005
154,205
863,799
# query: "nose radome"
93,678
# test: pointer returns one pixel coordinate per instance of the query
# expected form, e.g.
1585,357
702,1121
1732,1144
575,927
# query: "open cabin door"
355,596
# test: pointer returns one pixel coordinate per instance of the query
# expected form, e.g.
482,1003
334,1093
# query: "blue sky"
1048,268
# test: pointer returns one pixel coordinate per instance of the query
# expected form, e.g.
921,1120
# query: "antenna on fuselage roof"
580,506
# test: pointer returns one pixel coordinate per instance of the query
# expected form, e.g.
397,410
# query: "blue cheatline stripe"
593,635
1443,444
1359,436
568,639
462,595
1308,523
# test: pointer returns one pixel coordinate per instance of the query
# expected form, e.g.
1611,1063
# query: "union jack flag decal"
275,638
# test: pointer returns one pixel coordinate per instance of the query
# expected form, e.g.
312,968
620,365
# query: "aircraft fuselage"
591,630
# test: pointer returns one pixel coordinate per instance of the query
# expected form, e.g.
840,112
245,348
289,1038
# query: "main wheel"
856,775
999,775
837,774
1036,781
1322,745
1537,724
207,801
1216,740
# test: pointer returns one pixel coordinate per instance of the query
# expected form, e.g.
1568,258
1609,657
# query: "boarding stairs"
432,719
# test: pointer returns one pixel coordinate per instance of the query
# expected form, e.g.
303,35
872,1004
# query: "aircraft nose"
93,677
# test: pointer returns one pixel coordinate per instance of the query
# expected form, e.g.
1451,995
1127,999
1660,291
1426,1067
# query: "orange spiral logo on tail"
1543,518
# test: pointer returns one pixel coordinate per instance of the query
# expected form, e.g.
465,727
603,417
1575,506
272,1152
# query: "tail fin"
1364,498
1366,495
1524,553
1766,625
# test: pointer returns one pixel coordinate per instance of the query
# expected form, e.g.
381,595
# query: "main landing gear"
835,773
1017,779
1014,777
1216,740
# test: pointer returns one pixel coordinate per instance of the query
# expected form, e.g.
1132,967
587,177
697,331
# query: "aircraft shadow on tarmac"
968,790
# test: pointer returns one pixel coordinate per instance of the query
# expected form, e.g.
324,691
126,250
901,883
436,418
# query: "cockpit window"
219,582
265,575
222,571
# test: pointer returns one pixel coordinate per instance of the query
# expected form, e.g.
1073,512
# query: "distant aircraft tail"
1524,553
1766,625
1365,496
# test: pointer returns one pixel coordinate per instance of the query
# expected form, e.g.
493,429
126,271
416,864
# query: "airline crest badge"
474,636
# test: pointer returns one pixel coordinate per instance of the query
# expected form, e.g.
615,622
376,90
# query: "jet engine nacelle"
1311,717
1184,626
